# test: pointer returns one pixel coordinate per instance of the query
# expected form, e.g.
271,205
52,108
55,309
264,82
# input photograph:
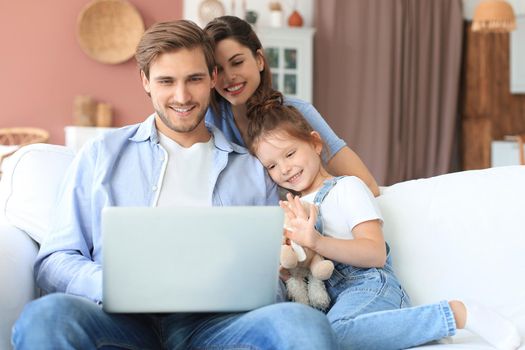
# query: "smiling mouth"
234,89
295,177
183,109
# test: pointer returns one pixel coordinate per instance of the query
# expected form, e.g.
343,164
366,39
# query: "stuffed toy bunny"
307,270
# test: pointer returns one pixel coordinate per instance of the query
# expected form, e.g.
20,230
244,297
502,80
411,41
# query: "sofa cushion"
459,236
29,185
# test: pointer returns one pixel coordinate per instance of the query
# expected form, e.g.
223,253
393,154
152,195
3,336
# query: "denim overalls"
370,309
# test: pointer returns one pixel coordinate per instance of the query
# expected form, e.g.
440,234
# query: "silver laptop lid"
182,259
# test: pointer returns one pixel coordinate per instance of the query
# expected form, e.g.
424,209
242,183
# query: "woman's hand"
347,162
302,222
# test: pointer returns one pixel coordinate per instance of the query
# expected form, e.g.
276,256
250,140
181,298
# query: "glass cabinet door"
289,52
283,63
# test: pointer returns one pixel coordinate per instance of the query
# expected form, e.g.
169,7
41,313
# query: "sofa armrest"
30,182
17,286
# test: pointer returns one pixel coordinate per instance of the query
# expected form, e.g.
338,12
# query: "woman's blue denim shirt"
226,123
125,167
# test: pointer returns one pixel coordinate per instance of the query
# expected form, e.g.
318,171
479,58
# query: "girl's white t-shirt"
348,203
186,181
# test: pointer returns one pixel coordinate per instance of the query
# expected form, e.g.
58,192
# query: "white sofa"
459,235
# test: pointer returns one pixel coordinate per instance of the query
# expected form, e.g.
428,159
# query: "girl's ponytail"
268,114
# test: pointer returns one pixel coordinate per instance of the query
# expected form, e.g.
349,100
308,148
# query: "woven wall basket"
109,30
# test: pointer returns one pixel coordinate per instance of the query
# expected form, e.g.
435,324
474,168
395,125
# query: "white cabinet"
505,153
76,136
289,52
517,57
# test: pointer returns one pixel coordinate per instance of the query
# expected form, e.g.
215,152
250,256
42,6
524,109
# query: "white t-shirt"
186,181
348,203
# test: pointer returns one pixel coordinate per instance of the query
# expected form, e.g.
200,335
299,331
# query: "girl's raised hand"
302,222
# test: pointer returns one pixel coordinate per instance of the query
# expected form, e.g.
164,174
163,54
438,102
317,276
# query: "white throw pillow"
30,181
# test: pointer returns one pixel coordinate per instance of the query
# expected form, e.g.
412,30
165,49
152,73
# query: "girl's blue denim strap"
319,198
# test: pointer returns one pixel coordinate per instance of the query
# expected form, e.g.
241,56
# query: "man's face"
180,86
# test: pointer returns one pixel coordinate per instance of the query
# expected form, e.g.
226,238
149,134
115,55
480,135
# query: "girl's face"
292,163
238,71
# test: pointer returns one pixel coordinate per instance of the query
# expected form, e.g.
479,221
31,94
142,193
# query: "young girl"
243,74
369,308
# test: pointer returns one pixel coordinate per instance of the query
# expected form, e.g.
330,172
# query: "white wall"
470,5
305,8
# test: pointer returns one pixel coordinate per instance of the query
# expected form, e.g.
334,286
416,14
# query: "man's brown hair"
164,37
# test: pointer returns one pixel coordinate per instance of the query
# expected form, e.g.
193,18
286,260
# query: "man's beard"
181,129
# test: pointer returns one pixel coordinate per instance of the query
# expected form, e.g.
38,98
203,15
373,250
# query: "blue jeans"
370,310
62,321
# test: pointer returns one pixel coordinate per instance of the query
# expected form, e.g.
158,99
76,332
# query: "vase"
276,19
295,19
251,17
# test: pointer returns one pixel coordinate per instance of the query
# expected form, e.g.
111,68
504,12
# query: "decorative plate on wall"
209,9
109,30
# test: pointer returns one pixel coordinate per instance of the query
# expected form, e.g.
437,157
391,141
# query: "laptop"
190,259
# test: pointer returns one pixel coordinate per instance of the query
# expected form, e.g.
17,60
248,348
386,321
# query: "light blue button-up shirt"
125,167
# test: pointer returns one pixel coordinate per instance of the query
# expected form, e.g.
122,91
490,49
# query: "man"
170,158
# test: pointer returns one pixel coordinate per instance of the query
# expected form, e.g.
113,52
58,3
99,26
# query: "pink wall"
42,68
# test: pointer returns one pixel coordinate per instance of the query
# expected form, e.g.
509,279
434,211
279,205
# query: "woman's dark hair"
231,27
270,114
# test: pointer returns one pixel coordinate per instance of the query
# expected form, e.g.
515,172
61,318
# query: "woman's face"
239,71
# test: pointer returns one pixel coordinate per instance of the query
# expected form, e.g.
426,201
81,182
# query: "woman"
243,75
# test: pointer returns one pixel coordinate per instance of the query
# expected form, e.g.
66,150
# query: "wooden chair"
18,137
